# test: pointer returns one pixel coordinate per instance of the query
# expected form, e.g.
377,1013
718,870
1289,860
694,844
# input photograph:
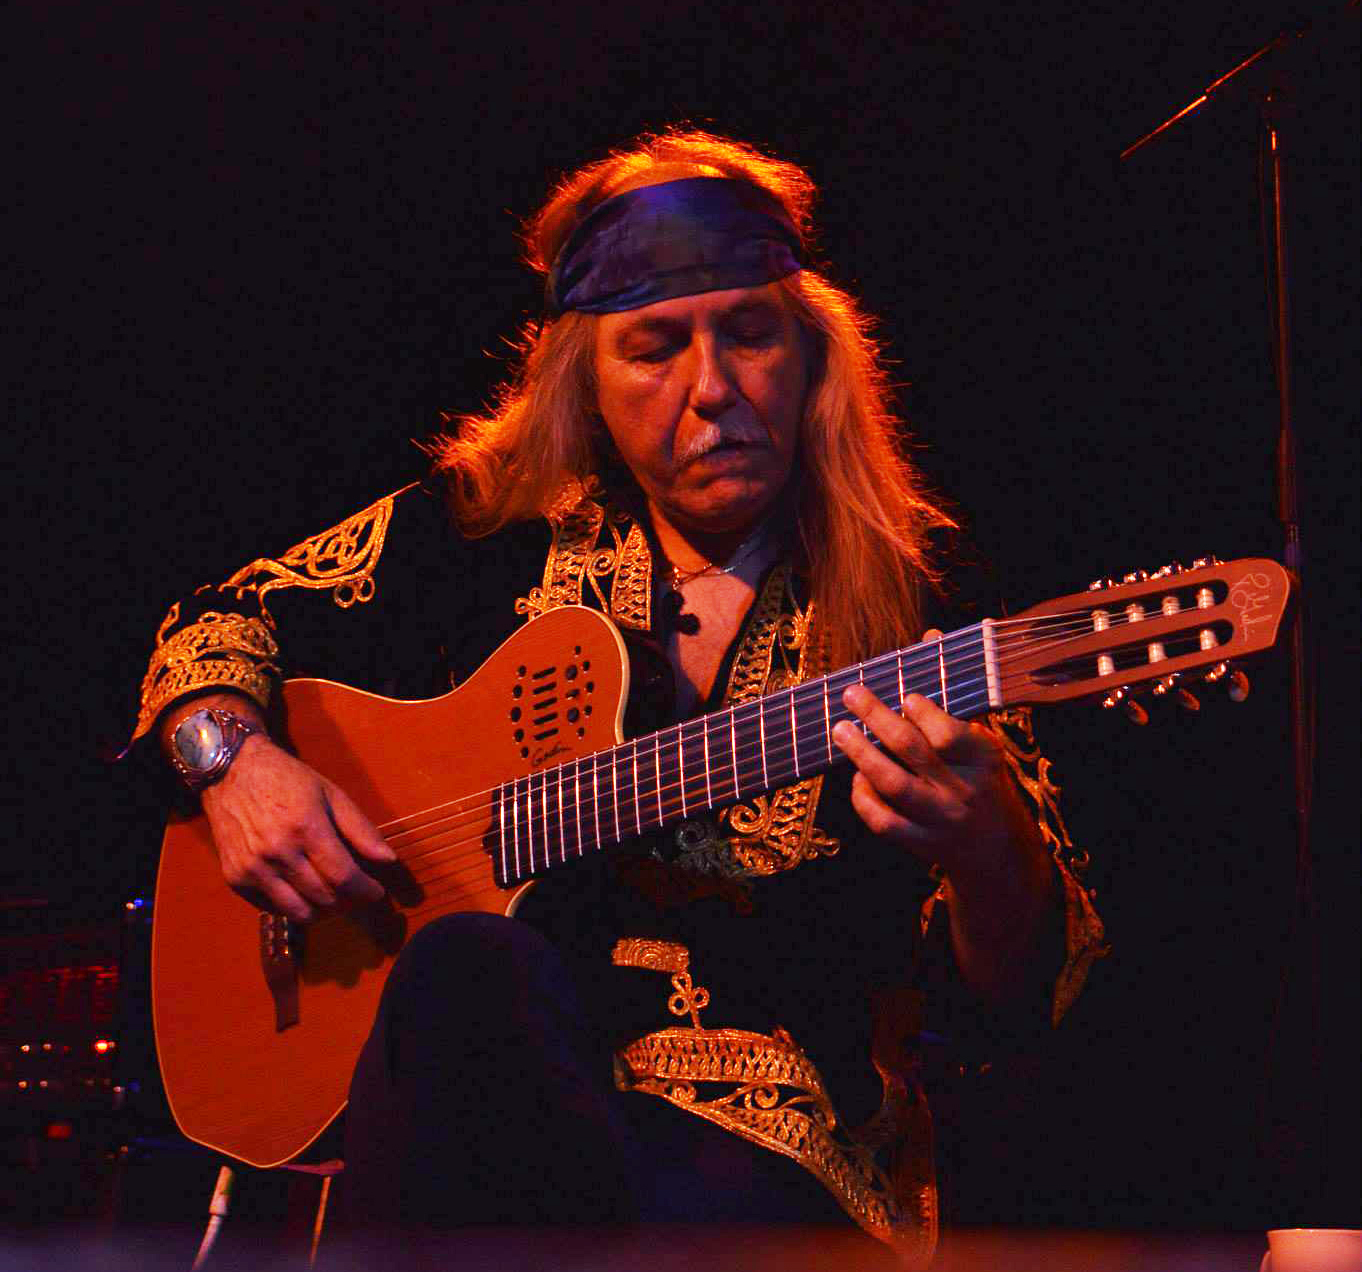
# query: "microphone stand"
1275,105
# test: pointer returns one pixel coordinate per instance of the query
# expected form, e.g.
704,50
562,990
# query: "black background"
261,248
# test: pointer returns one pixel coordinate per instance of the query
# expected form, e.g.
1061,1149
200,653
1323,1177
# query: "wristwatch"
204,745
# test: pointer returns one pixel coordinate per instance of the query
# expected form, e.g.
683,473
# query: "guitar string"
547,795
678,738
473,865
930,654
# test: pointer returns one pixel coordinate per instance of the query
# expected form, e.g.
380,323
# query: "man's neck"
690,549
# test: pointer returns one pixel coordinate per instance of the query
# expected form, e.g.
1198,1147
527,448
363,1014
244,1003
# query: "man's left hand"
939,788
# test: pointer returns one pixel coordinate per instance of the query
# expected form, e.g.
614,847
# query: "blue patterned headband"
678,238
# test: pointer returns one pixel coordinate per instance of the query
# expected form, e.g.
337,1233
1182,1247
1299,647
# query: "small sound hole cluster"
547,700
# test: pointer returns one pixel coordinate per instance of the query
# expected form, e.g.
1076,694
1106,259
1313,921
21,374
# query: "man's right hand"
288,839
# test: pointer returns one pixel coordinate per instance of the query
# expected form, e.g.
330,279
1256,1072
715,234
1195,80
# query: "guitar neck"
560,814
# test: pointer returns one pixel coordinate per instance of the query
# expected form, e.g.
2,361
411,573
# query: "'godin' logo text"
1252,597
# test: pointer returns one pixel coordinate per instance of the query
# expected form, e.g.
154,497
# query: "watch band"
232,732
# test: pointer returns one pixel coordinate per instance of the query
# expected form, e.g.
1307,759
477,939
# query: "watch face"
199,741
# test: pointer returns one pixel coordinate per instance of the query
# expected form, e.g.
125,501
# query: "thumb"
355,828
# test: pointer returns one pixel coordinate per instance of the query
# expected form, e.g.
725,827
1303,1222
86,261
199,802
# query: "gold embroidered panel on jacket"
594,541
342,559
766,1090
219,651
776,831
1084,933
580,556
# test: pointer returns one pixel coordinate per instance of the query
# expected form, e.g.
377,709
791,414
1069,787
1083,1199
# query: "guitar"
522,770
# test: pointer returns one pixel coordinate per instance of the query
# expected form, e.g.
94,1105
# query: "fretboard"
560,814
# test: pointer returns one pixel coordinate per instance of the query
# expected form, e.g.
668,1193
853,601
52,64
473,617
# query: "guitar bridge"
279,961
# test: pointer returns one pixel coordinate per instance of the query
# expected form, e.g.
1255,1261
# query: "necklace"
679,577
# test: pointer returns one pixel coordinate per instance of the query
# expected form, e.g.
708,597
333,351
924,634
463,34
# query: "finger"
304,879
950,738
336,864
901,736
882,820
280,897
902,790
883,771
355,828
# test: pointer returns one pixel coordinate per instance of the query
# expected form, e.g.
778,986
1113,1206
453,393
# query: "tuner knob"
1135,712
1239,686
1136,576
1098,585
1188,701
1217,673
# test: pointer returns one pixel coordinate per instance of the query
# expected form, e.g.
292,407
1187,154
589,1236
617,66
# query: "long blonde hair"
862,509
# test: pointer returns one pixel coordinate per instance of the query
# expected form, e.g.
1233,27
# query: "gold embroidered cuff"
219,651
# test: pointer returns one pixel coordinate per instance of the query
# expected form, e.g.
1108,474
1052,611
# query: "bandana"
698,234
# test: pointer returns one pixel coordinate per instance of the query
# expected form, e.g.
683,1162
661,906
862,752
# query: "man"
699,444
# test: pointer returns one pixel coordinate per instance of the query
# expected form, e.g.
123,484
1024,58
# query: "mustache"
712,436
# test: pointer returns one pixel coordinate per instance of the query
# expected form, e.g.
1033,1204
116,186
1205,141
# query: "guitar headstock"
1164,627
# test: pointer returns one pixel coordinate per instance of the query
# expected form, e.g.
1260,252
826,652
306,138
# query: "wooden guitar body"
241,1077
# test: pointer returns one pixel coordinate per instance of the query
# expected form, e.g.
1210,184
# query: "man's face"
703,396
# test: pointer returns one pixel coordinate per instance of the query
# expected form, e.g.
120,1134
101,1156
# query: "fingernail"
841,732
387,853
851,695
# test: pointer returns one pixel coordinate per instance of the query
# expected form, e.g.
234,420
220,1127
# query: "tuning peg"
1136,576
1122,698
1217,673
1098,585
1202,562
1165,571
1238,687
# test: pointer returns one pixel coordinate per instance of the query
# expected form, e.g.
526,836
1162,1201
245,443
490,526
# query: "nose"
715,387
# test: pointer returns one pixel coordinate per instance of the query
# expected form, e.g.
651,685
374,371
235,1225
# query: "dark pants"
483,1096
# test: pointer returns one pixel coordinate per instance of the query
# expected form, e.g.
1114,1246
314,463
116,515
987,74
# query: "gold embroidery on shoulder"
578,559
766,1090
342,559
219,651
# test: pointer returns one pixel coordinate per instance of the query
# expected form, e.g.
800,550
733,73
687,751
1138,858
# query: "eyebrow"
654,325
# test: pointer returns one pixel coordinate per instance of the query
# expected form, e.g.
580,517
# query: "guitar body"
258,1028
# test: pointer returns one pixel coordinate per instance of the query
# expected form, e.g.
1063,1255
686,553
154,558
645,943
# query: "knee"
464,958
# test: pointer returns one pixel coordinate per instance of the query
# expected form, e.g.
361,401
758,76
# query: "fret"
761,739
704,734
638,812
827,720
515,821
733,746
577,801
941,667
562,820
860,678
794,732
596,796
657,775
903,693
615,791
681,766
501,821
544,814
